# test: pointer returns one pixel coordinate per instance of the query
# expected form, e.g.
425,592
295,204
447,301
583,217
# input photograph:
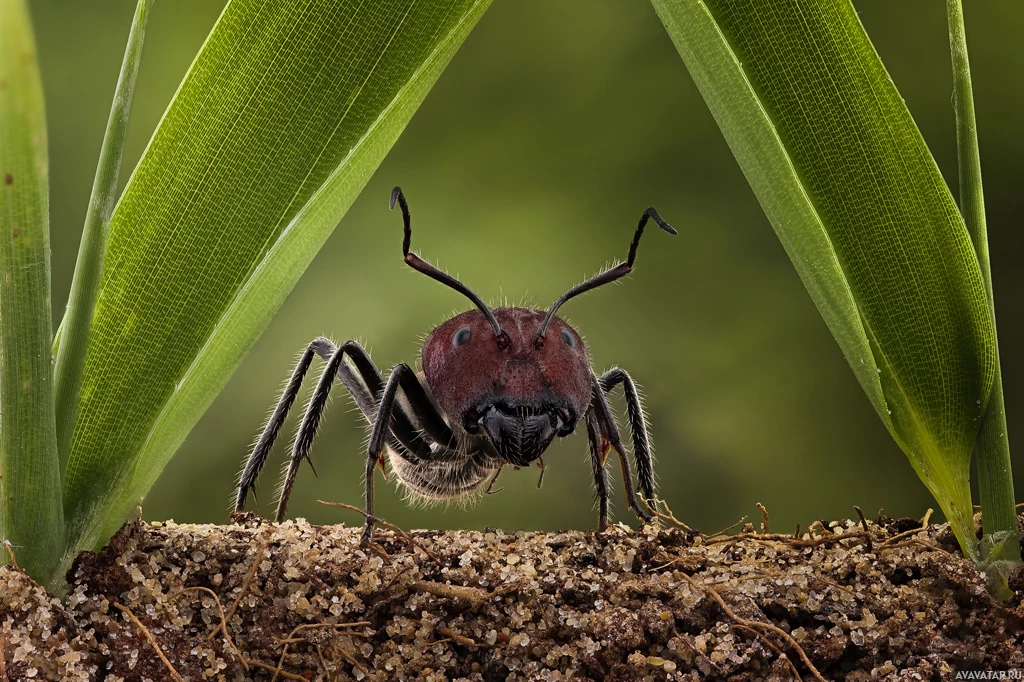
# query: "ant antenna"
620,270
417,263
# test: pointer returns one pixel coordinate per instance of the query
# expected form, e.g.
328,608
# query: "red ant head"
516,391
520,376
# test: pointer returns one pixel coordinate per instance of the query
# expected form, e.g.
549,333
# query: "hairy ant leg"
365,388
402,376
637,426
598,447
610,432
258,457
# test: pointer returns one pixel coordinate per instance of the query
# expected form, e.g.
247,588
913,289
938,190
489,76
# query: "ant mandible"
497,386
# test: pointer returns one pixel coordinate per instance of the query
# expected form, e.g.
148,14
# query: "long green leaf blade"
30,507
285,114
995,475
850,187
77,323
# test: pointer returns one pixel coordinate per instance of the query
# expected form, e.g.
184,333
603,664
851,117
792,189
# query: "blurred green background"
526,169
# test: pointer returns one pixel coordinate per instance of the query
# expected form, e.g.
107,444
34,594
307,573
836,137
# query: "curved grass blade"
853,193
285,114
74,328
30,508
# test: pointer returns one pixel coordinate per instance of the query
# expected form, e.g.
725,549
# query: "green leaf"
853,193
77,322
995,474
30,507
286,112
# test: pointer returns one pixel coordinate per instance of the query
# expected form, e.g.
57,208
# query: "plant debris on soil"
851,600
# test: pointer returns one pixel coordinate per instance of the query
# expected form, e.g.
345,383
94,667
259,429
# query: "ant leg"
637,426
371,464
366,385
311,420
359,382
367,393
427,416
490,486
401,376
361,392
258,457
426,412
363,364
610,431
307,429
597,456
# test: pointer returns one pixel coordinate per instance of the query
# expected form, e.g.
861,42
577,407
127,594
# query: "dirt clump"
40,637
304,602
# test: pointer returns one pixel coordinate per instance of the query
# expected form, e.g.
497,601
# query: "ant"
497,386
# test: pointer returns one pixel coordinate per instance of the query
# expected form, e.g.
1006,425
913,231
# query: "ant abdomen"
442,480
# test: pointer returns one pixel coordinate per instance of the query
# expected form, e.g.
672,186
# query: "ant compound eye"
461,336
569,339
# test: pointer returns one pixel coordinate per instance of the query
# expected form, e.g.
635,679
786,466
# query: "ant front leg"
637,426
402,376
598,453
609,431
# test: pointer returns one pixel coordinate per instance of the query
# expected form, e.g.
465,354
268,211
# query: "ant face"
516,392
